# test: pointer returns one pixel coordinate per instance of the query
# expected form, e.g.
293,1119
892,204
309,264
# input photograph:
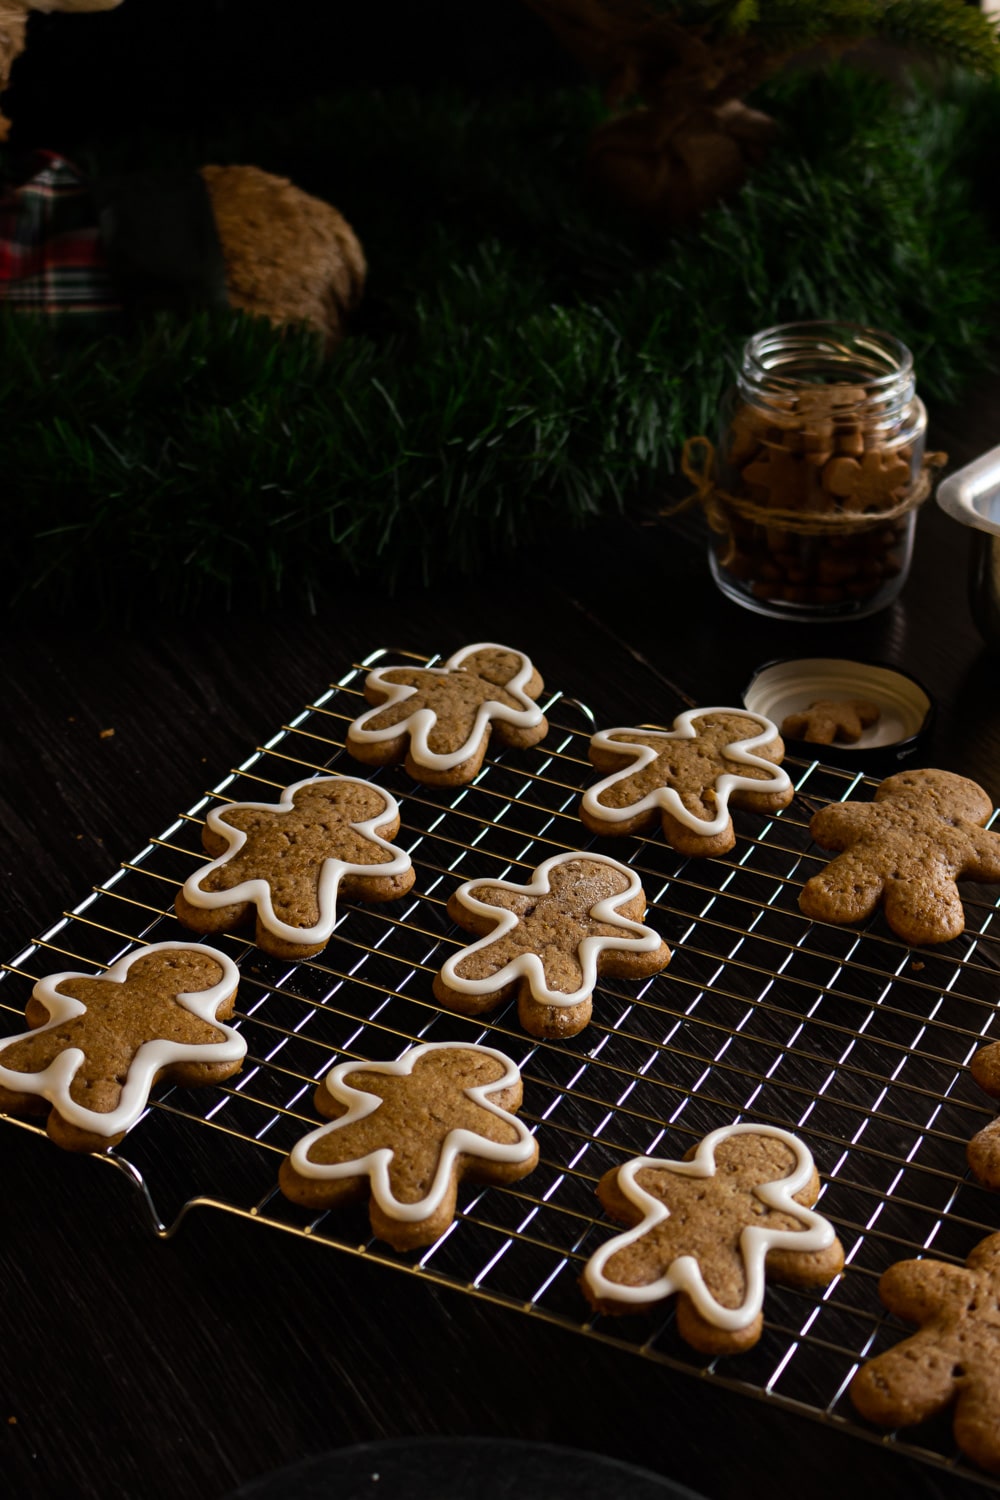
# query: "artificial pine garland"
521,363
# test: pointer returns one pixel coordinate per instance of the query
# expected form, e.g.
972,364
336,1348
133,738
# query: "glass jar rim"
810,336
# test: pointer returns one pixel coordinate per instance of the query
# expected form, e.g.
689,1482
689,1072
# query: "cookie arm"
840,825
977,1420
918,1289
985,863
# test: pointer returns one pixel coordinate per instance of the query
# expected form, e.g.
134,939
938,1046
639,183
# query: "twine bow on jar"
812,493
698,464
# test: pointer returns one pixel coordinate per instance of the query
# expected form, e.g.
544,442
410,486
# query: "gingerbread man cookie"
954,1359
707,1229
290,860
579,916
99,1042
874,482
922,833
405,1132
688,775
440,719
984,1148
829,719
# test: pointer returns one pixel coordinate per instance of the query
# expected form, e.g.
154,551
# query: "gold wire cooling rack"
855,1041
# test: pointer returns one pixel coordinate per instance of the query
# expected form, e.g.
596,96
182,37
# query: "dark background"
207,64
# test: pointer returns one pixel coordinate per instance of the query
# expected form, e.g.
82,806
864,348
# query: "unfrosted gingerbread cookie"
405,1133
100,1042
829,719
289,860
440,719
923,832
953,1360
984,1148
708,1229
579,916
688,776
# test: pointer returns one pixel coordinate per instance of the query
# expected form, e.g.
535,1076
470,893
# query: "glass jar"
820,463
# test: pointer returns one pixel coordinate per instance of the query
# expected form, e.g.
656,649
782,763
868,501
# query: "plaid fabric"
52,259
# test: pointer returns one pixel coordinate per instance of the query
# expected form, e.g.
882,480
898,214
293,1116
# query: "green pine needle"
520,364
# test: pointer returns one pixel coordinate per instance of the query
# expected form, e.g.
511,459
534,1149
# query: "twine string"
719,506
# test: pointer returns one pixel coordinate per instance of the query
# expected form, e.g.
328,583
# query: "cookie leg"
924,912
977,1422
846,891
905,1385
541,1020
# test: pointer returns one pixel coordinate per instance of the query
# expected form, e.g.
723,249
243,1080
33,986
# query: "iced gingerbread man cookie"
440,719
404,1133
99,1042
954,1360
708,1229
579,916
923,832
288,861
984,1148
687,776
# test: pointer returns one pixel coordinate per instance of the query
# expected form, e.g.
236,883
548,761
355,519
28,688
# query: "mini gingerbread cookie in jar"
821,468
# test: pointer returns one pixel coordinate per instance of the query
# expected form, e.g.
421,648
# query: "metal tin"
972,496
780,688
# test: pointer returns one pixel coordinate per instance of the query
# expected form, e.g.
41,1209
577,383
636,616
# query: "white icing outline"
666,798
457,1142
684,1273
257,891
638,937
53,1083
420,723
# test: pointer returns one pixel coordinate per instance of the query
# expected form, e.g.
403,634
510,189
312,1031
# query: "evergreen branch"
519,367
948,28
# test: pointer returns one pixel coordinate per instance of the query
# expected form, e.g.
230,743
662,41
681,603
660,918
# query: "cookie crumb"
107,734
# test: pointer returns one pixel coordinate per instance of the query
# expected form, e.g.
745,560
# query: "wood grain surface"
138,1367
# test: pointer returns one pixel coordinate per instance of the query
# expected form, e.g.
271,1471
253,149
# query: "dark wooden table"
139,1367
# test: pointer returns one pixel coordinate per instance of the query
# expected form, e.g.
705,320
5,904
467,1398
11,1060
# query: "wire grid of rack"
849,1037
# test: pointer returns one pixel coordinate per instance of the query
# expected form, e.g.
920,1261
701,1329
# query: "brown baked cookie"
440,719
829,719
922,833
984,1148
288,861
406,1132
687,776
708,1229
100,1042
955,1358
579,916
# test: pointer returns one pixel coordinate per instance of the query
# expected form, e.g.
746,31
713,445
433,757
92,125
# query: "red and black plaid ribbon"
52,257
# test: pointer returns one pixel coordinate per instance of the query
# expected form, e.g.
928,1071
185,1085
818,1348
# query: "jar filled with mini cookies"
821,468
